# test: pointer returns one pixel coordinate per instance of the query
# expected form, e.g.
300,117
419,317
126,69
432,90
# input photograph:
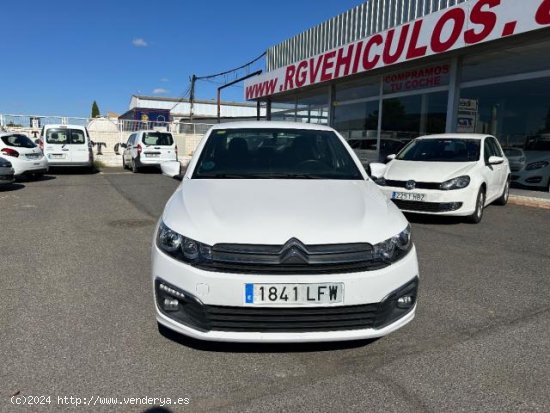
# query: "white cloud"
164,79
159,91
139,42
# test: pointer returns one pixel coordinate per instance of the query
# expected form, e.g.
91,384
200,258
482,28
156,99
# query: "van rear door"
56,141
78,146
159,146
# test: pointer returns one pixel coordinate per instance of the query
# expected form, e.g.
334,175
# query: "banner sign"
464,25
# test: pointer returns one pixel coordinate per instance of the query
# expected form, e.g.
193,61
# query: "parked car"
6,172
25,156
148,148
516,158
535,173
276,234
449,174
67,145
365,148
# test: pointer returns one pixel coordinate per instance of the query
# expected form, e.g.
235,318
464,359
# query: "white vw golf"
450,174
276,234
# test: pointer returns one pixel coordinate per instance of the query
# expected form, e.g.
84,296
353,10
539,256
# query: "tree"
95,110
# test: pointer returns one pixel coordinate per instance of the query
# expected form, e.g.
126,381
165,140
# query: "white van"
67,145
148,148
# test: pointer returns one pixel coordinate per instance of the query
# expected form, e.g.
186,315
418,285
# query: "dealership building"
388,71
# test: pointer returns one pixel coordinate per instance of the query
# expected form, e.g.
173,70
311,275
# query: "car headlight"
182,248
537,165
455,183
395,247
380,181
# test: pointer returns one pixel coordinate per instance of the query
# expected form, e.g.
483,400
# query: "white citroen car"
450,174
276,234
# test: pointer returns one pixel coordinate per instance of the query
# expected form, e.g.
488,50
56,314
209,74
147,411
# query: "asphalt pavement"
77,316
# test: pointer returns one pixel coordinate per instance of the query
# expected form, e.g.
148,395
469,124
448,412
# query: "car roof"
151,130
270,125
58,125
454,136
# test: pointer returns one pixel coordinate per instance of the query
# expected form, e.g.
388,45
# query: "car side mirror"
123,145
495,160
377,170
391,157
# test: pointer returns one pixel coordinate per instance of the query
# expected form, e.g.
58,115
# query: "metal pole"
219,104
192,97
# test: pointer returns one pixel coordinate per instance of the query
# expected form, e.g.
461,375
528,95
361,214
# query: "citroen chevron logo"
293,252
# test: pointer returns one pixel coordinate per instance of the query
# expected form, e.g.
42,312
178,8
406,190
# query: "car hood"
273,211
426,171
536,156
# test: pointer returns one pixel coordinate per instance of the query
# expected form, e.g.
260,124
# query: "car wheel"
124,163
135,168
503,199
475,218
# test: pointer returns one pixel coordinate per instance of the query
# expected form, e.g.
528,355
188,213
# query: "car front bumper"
537,178
375,289
458,202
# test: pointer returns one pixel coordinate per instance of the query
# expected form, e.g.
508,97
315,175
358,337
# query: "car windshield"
65,136
18,141
441,150
275,154
157,139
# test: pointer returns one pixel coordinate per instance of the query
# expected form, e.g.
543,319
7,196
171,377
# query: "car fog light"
170,304
405,301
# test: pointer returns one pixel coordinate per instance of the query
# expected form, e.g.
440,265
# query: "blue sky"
59,55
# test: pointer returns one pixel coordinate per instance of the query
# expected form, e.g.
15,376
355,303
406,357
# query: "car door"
56,144
490,172
127,154
502,169
79,151
158,146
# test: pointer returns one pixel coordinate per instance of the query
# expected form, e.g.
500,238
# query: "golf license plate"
294,294
408,196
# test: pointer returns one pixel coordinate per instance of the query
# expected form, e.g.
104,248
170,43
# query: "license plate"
57,156
34,156
294,294
152,155
408,196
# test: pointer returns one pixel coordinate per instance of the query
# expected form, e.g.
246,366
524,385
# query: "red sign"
467,24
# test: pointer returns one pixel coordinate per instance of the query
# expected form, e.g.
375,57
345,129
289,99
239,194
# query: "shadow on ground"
222,347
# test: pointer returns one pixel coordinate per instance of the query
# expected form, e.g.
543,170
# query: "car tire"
124,166
135,168
476,217
503,199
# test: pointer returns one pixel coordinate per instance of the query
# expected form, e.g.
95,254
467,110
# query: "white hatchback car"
24,155
148,148
448,174
276,234
67,145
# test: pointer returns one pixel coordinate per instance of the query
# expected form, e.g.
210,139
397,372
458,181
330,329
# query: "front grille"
428,206
292,258
291,319
418,185
515,168
6,177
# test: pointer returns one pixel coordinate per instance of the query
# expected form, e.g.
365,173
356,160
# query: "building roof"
186,100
